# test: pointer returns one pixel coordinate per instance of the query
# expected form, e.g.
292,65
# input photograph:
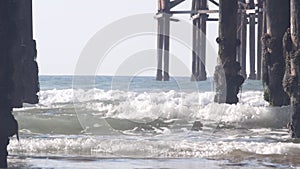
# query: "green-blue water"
123,122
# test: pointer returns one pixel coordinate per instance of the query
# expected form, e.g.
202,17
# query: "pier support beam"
18,68
167,41
196,41
163,40
6,120
278,20
291,43
202,76
5,81
259,35
239,33
160,38
3,152
199,41
264,66
194,52
243,46
252,51
226,77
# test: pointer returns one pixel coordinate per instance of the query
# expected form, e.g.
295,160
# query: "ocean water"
123,122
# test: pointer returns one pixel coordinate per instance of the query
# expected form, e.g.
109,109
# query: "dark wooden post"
278,20
160,38
5,81
199,41
163,40
291,81
252,52
197,38
166,76
195,43
264,17
264,66
242,37
18,68
252,35
194,53
259,35
202,76
24,54
239,33
8,125
226,77
243,50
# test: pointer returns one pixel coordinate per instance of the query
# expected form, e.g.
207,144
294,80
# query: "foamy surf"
151,147
252,111
152,122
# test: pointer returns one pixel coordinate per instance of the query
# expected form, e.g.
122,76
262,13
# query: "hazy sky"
63,27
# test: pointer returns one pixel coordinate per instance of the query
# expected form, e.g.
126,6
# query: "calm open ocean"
126,123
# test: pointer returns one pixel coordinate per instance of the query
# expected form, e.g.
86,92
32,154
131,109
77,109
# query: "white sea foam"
50,97
251,111
113,147
110,114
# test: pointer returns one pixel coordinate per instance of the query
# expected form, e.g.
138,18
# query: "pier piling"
163,40
291,45
252,50
199,40
195,43
202,41
160,38
226,77
259,35
278,20
166,36
243,46
18,68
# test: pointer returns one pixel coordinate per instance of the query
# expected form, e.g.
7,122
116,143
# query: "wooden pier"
273,45
258,30
251,20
